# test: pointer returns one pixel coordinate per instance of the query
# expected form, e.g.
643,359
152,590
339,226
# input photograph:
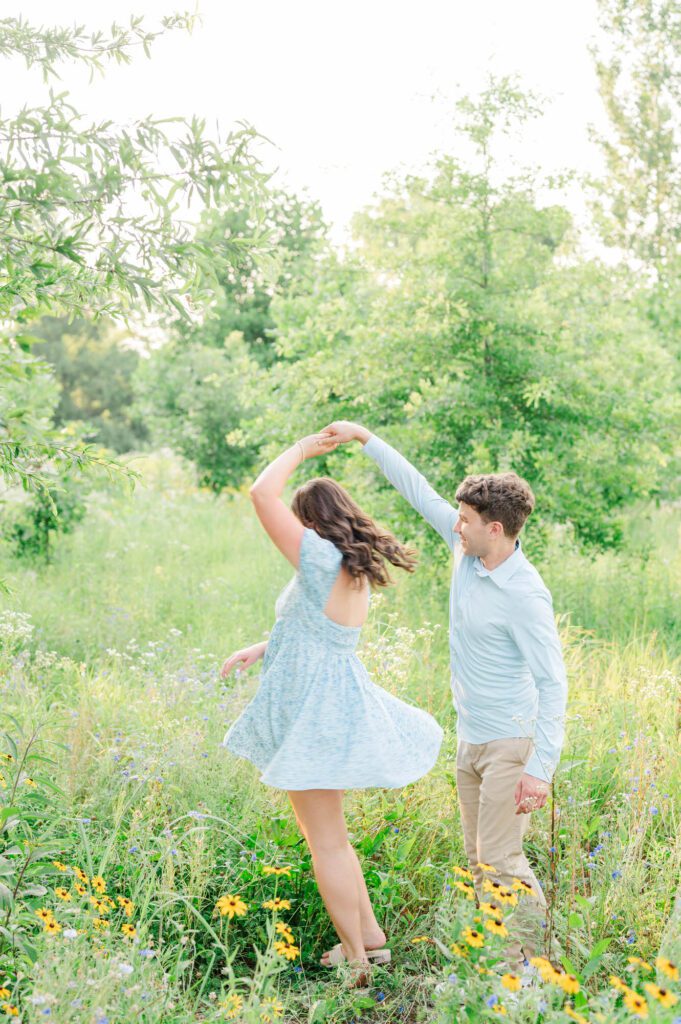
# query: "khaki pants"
487,775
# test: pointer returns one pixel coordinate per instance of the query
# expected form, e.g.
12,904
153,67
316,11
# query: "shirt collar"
503,572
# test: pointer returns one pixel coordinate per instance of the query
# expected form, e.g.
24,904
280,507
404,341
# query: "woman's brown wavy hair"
327,507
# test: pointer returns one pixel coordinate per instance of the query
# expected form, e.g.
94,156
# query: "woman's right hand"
244,658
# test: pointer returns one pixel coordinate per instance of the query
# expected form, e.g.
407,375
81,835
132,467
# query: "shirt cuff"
372,446
537,768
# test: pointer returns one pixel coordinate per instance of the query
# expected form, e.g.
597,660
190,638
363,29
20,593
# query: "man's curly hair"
498,497
327,507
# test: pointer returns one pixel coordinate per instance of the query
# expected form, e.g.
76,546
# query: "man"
507,675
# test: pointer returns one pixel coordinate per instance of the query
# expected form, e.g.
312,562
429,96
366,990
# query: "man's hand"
343,431
530,794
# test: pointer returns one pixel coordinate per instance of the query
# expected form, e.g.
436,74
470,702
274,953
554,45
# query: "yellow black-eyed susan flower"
129,930
636,1004
277,904
3,781
60,867
500,892
232,1005
231,906
30,782
473,937
127,904
420,938
567,982
63,894
52,927
488,868
269,869
270,1010
98,883
101,906
80,888
545,968
10,1010
663,995
45,914
462,872
100,923
512,982
467,890
458,950
287,950
636,961
5,993
284,930
667,967
618,984
496,926
501,1010
570,1011
521,886
492,909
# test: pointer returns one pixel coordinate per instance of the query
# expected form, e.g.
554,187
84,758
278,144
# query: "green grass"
119,683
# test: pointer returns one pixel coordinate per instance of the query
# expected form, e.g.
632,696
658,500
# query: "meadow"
146,874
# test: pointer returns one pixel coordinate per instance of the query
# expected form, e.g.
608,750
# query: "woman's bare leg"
320,813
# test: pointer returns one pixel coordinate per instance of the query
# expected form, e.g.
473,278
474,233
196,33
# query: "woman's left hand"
318,444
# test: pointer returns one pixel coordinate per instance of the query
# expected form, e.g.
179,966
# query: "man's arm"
534,630
403,476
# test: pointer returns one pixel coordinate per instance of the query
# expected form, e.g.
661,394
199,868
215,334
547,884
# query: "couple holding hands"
318,725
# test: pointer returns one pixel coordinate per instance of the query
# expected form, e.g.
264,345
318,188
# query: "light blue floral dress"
317,721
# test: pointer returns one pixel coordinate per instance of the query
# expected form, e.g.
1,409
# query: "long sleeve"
415,488
533,628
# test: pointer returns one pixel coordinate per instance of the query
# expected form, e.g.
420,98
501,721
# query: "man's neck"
495,558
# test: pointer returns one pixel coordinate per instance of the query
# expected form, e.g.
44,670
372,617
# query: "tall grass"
113,676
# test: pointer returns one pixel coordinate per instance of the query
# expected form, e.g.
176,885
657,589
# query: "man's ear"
497,530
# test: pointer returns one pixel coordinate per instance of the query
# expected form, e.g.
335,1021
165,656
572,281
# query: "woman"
317,724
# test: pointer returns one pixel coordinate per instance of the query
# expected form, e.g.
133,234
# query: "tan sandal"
336,956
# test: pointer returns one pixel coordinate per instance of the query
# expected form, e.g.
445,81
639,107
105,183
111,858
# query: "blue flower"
616,875
654,810
380,996
492,1000
452,979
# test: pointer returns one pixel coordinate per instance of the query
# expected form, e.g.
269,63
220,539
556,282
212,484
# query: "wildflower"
544,966
231,906
636,961
63,894
129,931
268,869
636,1004
5,993
467,890
98,883
491,909
420,938
6,757
100,923
501,892
81,875
287,950
567,982
277,904
463,873
473,937
663,995
569,1011
128,905
521,886
285,931
11,1011
458,950
496,926
271,1009
512,982
52,927
618,984
30,782
488,868
231,1005
667,967
500,1009
80,889
45,914
60,867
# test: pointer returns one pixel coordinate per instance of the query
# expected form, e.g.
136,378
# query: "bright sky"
345,91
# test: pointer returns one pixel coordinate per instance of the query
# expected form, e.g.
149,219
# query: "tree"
73,246
467,329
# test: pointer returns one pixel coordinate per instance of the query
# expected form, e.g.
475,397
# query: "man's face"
477,537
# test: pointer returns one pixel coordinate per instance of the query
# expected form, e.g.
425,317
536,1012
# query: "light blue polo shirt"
507,672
